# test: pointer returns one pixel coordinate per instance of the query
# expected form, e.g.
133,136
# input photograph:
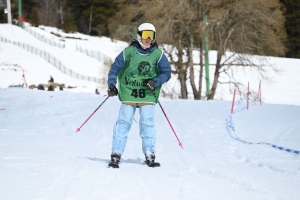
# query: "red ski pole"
248,96
78,129
180,144
232,106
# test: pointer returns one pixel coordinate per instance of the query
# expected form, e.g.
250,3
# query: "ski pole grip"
151,88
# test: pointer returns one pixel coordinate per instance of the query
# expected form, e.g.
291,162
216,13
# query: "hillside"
42,156
281,90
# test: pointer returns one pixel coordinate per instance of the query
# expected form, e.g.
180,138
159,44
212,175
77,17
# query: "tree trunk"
201,69
181,72
191,67
212,92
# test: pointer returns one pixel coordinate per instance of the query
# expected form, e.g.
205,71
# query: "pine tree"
292,26
101,11
76,9
69,24
91,16
27,8
34,17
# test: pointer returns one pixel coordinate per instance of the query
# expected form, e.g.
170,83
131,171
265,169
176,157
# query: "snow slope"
42,156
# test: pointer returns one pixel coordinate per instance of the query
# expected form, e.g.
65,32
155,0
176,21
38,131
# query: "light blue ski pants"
123,125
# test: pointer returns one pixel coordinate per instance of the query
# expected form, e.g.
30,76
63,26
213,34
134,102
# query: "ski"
153,164
113,165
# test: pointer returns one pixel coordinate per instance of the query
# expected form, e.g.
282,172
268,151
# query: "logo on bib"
144,72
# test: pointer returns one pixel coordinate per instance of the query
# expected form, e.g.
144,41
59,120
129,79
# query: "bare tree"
243,27
46,11
52,12
175,22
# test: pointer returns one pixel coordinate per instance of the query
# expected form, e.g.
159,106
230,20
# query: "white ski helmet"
146,30
146,26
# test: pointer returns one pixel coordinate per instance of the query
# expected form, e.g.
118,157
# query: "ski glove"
112,91
150,84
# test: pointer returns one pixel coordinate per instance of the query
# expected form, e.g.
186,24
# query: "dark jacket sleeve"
165,71
115,69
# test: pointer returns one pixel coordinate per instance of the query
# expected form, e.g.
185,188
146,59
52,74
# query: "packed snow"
225,156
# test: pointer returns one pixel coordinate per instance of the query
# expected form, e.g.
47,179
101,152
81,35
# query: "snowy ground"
42,156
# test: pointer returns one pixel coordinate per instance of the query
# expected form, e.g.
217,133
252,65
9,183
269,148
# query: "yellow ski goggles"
147,34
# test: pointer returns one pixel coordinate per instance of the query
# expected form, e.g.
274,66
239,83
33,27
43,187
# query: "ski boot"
150,160
115,160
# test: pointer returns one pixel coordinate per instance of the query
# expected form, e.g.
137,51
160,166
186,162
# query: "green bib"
138,67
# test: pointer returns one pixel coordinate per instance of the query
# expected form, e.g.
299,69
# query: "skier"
141,69
51,80
51,85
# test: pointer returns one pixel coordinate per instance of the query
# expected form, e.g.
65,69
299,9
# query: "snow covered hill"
42,156
283,90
